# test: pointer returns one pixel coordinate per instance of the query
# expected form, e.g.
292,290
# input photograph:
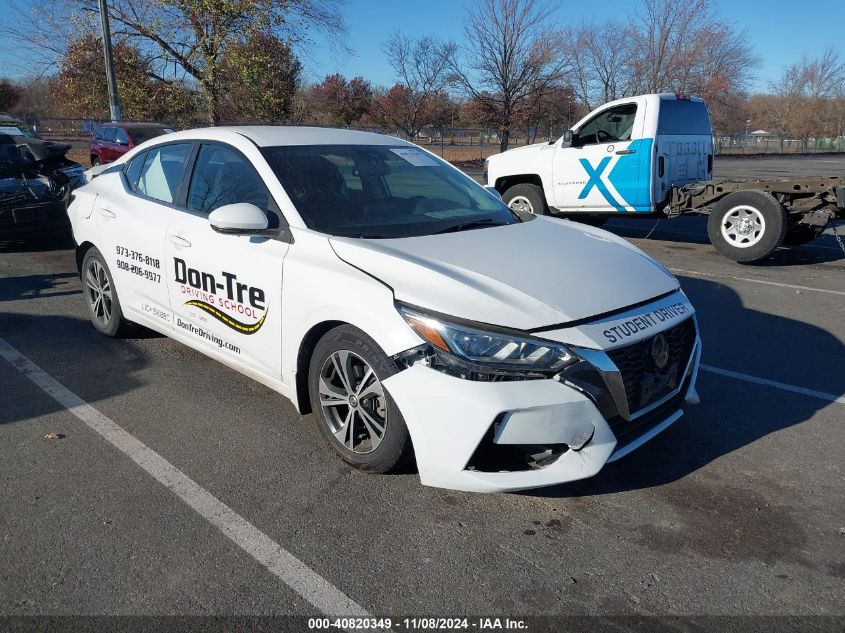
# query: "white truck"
652,156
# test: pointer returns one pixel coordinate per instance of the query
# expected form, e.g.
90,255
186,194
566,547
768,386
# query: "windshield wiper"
474,224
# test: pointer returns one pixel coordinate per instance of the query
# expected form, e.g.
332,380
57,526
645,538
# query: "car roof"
134,124
271,135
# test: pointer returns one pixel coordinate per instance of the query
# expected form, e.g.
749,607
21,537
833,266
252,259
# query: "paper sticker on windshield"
414,156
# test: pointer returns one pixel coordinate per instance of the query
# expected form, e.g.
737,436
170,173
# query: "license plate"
654,385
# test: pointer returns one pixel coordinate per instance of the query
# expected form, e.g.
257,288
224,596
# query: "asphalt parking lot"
736,510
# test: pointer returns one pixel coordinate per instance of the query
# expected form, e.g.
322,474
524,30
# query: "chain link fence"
468,144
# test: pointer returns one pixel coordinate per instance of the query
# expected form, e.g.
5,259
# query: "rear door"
107,142
132,220
606,168
225,290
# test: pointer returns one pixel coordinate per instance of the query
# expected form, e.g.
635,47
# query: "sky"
780,31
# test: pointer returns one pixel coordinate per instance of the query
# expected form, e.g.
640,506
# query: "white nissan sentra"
385,291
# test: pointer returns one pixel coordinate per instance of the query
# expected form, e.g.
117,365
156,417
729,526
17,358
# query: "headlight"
485,355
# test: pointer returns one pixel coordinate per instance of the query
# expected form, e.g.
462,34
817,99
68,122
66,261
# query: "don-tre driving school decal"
236,305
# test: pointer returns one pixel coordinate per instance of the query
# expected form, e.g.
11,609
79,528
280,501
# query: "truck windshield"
683,117
377,191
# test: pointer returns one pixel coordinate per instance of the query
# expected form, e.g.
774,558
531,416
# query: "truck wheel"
747,226
525,197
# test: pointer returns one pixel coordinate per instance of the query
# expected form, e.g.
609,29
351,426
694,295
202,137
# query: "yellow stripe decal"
225,319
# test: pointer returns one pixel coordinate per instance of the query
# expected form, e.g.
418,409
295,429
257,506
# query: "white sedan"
403,304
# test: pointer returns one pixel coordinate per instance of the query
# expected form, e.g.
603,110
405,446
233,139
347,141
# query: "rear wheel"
526,197
95,161
356,414
101,296
747,226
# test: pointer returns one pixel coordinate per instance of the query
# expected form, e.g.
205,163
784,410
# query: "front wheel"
747,226
356,414
526,197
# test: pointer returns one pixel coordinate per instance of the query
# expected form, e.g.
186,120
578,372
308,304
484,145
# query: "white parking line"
773,383
297,575
757,281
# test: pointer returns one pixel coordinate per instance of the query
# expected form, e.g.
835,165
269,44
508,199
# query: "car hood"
534,274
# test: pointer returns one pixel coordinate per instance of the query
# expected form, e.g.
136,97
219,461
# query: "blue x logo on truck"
596,181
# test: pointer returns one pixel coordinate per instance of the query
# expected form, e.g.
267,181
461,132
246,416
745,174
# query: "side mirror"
493,192
241,218
124,143
571,137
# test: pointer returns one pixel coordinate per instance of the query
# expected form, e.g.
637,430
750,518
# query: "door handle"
108,214
625,152
178,241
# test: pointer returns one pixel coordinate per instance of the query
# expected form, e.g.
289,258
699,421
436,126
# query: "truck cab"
624,157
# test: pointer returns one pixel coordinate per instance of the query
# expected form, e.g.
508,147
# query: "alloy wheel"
99,292
353,402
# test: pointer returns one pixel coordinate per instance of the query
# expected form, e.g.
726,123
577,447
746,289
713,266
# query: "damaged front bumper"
514,435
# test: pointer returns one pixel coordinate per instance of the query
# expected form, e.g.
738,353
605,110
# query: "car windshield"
142,134
378,191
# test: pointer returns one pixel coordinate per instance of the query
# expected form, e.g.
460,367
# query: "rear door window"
133,170
108,134
163,171
683,117
120,136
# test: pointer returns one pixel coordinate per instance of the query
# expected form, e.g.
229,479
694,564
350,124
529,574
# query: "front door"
132,221
602,171
225,290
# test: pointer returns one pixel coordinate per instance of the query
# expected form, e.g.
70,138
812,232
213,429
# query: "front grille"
644,382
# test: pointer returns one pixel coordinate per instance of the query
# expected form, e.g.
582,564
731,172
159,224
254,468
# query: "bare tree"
421,67
663,30
806,100
602,57
512,52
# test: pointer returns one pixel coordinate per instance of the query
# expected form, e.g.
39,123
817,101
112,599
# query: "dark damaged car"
36,179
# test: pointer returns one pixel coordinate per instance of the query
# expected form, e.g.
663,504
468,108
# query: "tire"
526,197
106,315
798,234
95,160
747,226
363,448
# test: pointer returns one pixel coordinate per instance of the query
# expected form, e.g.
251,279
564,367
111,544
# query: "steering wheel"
603,137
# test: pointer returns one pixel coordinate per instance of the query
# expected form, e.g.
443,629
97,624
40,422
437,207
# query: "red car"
113,140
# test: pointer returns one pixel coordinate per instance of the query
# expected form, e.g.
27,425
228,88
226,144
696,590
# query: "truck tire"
526,197
747,226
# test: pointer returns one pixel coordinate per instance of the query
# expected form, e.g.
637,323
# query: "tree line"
515,70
